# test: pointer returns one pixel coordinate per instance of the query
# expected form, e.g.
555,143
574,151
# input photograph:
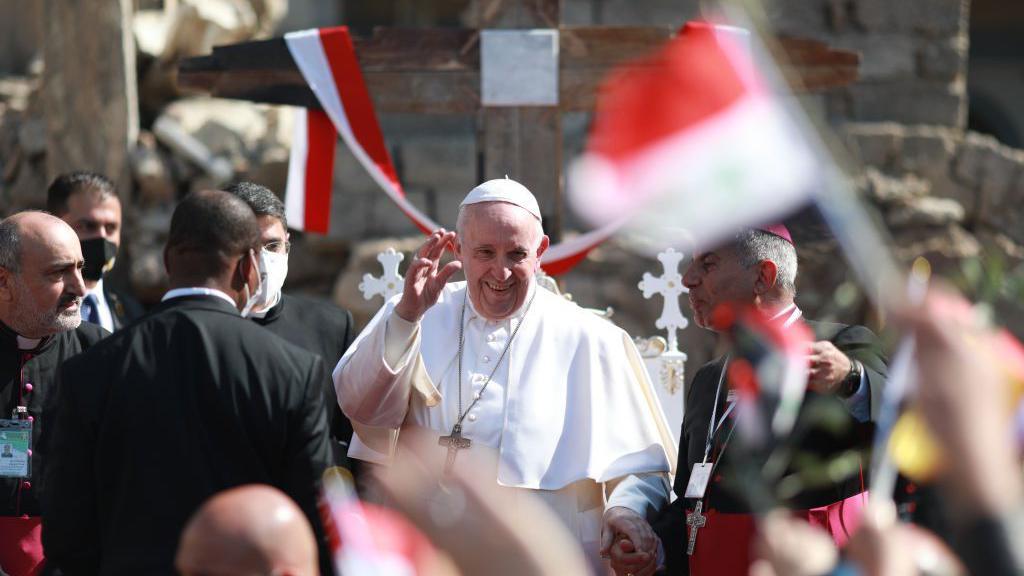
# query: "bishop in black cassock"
847,371
190,400
40,327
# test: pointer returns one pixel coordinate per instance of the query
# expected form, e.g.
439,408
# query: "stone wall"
913,55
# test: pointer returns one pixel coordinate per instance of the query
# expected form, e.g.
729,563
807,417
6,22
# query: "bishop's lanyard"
20,411
714,427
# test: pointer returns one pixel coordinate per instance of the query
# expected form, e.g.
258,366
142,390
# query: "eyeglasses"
278,246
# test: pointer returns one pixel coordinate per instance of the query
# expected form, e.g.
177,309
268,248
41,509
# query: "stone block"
908,102
804,18
661,12
1008,217
445,163
151,172
971,158
928,152
942,59
939,244
271,170
839,15
925,211
935,17
578,13
886,190
874,144
999,172
930,17
15,91
1001,190
883,56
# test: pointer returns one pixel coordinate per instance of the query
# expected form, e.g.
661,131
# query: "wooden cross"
454,442
695,520
390,282
437,71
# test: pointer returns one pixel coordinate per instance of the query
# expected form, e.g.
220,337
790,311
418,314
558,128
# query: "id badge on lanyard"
15,448
700,476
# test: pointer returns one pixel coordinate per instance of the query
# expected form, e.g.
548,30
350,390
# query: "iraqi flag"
691,141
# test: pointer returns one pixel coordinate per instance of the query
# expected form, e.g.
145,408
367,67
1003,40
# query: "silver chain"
462,340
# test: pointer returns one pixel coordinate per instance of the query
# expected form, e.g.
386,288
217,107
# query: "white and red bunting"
327,59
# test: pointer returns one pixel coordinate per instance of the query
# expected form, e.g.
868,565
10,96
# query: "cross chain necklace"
455,441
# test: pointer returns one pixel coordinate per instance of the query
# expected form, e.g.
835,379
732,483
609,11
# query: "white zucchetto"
504,190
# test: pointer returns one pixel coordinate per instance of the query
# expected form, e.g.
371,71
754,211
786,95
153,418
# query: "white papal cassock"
569,413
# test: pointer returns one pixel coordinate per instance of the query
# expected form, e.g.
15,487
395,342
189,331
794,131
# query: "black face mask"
99,256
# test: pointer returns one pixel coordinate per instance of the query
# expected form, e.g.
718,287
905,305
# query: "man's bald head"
41,284
210,231
249,530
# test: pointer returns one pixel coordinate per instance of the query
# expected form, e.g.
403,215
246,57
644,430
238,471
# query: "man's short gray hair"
10,246
753,246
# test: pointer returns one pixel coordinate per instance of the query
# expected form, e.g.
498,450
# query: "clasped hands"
629,542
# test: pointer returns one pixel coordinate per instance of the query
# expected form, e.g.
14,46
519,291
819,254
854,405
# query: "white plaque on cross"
519,67
390,283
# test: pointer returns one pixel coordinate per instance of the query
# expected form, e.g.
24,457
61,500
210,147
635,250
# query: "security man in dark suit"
88,202
314,325
188,401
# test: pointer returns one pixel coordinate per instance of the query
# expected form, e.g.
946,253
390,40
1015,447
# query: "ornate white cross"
390,283
670,286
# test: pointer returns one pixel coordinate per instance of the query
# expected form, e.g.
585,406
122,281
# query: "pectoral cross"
695,520
454,442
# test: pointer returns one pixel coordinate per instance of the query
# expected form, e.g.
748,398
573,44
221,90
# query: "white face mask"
252,297
273,271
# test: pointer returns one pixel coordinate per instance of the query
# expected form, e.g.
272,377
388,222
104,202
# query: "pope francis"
497,365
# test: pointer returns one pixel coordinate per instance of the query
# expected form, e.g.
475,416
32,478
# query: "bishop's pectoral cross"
454,442
695,520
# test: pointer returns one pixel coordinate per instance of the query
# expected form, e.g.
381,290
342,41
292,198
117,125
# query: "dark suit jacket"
188,401
858,343
38,368
123,308
325,330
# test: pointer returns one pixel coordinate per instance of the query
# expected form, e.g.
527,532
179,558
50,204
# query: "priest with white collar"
499,366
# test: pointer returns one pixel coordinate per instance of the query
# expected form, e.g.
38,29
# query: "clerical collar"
24,344
789,315
263,313
197,291
471,312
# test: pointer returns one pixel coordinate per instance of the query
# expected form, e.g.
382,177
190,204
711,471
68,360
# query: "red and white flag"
691,140
327,59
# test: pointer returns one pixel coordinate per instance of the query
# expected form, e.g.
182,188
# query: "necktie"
90,313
